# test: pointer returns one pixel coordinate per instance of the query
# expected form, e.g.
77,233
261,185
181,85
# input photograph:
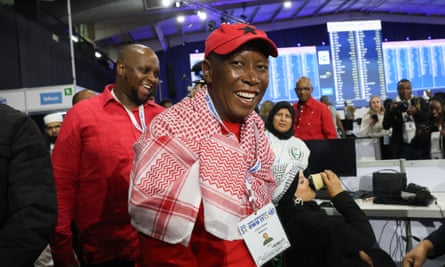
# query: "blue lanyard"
257,164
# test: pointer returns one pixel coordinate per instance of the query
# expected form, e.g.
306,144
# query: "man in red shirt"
204,164
92,160
313,119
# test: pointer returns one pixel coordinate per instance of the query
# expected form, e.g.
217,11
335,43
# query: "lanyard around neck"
255,167
141,127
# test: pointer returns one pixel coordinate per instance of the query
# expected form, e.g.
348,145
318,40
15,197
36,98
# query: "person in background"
335,116
92,184
427,94
372,121
53,122
313,120
28,210
349,111
279,132
405,115
431,247
317,239
430,137
166,103
82,95
265,109
287,147
204,164
199,84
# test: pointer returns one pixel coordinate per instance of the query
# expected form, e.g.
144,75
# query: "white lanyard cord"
141,127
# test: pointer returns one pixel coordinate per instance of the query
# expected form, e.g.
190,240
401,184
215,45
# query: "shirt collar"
108,97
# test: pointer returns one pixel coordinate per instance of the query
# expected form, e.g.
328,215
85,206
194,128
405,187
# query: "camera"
316,181
375,117
402,106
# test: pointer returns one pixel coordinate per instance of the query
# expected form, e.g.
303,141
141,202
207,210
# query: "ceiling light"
287,4
180,18
202,15
166,3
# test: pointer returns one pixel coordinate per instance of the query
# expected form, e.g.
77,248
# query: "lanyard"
141,127
257,164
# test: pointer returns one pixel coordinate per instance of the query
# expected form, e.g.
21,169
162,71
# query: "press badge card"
264,235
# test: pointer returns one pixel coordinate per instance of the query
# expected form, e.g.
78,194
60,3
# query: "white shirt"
292,150
366,130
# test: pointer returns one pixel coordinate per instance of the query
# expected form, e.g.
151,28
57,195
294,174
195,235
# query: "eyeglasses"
303,88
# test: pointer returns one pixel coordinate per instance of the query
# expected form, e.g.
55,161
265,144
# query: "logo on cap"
248,29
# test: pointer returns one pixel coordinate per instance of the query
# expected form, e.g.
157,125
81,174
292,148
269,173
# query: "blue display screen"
356,66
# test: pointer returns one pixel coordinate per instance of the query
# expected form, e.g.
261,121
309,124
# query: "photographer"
372,121
405,116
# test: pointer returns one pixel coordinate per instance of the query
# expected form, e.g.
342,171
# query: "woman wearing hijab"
316,238
279,131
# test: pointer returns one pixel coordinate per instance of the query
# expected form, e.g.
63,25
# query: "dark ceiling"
111,23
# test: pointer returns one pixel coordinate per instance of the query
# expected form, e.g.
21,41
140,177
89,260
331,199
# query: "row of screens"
336,73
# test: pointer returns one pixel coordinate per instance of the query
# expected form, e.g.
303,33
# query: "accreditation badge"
263,234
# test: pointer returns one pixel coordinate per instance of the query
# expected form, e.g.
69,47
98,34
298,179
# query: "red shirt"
92,160
313,121
212,251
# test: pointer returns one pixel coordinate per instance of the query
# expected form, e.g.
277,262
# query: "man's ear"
120,66
207,71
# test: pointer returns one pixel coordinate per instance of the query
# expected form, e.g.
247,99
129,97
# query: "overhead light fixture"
202,15
287,4
180,18
167,3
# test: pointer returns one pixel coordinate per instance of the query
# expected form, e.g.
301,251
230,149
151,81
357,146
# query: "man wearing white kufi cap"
53,122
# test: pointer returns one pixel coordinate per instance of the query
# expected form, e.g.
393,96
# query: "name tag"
263,234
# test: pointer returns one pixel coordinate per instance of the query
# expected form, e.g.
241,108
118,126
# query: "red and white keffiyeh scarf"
184,159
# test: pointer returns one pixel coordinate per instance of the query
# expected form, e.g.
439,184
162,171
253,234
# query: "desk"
434,211
385,211
428,173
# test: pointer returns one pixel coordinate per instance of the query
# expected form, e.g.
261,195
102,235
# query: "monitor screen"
356,65
338,155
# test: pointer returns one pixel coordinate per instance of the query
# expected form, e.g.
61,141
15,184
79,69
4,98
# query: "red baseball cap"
228,37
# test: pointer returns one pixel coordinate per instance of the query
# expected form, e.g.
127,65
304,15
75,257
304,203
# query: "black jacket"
437,237
318,239
28,209
394,119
